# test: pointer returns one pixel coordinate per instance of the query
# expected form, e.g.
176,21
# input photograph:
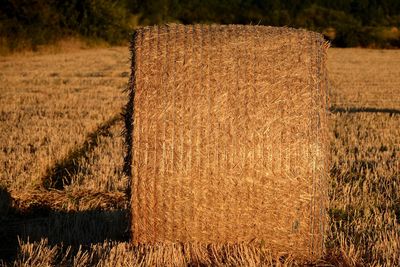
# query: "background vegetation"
346,23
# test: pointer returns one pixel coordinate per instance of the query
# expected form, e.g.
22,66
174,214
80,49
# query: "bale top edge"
277,29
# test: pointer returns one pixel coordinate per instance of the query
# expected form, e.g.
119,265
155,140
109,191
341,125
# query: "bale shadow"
61,173
363,110
5,202
74,229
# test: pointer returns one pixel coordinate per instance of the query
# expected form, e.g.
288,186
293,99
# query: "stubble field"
63,192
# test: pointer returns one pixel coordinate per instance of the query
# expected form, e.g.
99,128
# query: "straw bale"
226,127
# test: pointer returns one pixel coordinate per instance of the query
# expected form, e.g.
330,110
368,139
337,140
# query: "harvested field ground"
62,189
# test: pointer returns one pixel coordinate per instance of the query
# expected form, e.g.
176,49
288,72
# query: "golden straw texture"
226,127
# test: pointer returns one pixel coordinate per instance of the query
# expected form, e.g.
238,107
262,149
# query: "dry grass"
68,44
365,174
49,105
365,78
365,189
43,121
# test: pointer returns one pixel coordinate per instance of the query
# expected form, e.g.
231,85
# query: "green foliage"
30,23
348,35
319,18
354,22
102,19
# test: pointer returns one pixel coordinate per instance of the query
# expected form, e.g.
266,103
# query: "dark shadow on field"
69,228
364,110
62,172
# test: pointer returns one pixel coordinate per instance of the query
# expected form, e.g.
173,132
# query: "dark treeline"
30,23
368,23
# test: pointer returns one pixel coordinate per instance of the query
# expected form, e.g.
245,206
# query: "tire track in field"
61,173
363,110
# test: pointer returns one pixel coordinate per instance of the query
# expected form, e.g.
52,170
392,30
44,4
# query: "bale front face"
229,137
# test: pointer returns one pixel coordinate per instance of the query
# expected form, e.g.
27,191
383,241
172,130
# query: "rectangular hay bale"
227,137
